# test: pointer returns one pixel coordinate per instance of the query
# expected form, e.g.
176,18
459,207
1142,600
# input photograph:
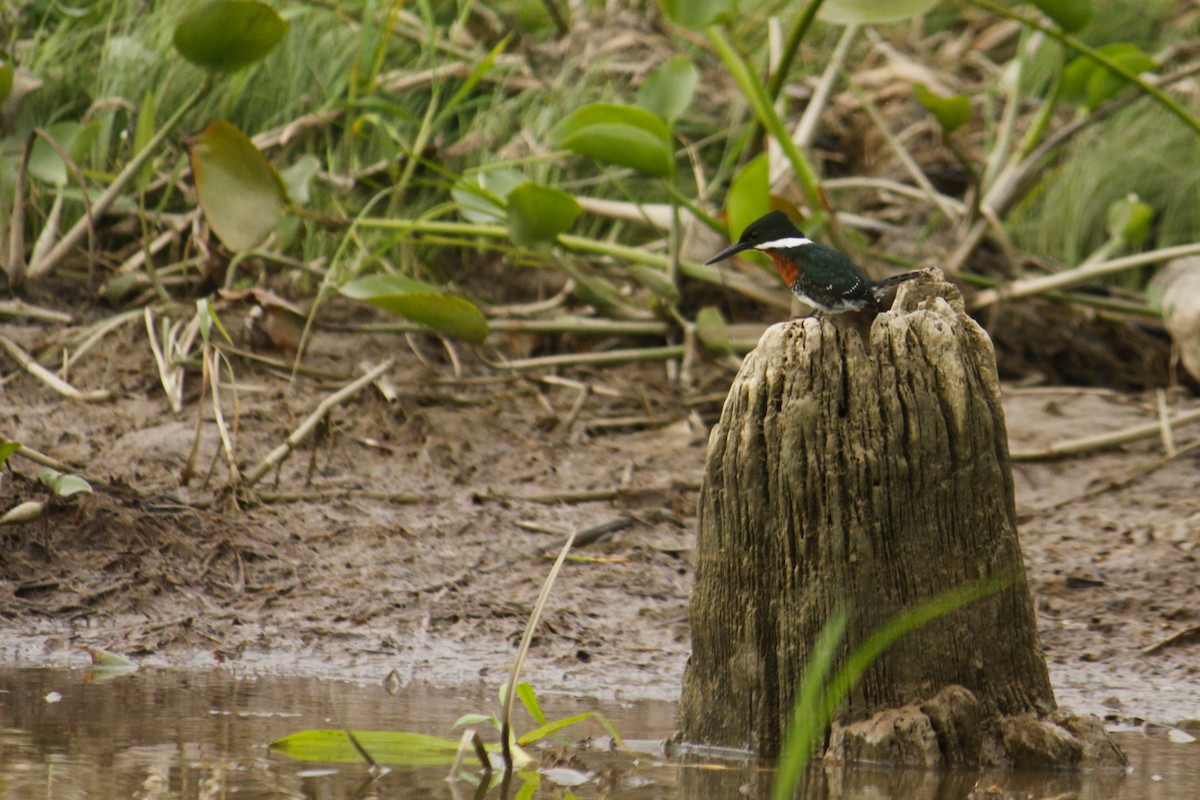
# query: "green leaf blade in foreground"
537,214
626,136
697,14
951,112
870,12
669,89
1070,15
241,193
227,35
446,314
386,747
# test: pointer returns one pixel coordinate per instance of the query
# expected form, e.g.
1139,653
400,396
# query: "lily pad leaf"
870,12
669,89
950,112
241,193
537,214
386,747
1071,15
697,14
63,484
227,35
627,136
1089,83
405,297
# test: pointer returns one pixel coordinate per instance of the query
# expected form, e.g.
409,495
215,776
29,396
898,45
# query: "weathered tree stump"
878,477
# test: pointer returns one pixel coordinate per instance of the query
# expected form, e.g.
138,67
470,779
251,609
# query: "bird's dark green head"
773,231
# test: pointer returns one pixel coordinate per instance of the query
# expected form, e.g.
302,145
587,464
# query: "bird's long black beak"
733,249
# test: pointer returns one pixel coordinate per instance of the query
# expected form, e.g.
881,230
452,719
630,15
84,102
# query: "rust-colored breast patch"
787,267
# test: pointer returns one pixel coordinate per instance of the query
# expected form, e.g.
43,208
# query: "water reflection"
160,734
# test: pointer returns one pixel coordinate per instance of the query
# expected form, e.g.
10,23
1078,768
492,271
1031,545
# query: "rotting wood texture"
872,475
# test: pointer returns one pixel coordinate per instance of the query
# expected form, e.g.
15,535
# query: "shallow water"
161,733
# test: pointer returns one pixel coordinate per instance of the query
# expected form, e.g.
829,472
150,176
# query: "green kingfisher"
820,276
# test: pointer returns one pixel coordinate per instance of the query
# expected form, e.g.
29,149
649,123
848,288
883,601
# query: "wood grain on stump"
874,475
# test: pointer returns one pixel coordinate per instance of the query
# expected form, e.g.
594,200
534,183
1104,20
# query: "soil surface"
416,532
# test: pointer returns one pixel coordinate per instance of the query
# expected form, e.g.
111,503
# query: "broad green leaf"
1088,83
386,747
420,302
951,112
870,12
697,14
529,699
74,137
748,197
482,198
6,76
240,192
142,134
627,136
62,484
298,177
657,282
1129,220
668,90
1070,15
7,448
227,35
537,214
712,330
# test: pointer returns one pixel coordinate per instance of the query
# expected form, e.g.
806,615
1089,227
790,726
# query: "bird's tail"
879,287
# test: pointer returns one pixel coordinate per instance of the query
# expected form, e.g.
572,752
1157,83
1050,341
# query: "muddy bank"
415,534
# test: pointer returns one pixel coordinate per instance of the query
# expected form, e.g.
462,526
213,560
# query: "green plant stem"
1070,41
764,111
795,37
114,190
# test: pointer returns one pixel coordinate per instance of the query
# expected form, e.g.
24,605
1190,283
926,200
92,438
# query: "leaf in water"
103,659
1088,83
75,138
1129,220
565,776
697,14
227,35
297,178
712,330
386,747
667,91
1070,15
627,136
537,214
482,199
1175,291
62,484
869,12
241,193
420,302
950,112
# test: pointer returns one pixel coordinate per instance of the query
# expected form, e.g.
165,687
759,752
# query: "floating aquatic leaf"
386,747
227,35
420,302
241,193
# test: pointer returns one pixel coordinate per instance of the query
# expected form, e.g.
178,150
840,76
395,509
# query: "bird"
819,276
